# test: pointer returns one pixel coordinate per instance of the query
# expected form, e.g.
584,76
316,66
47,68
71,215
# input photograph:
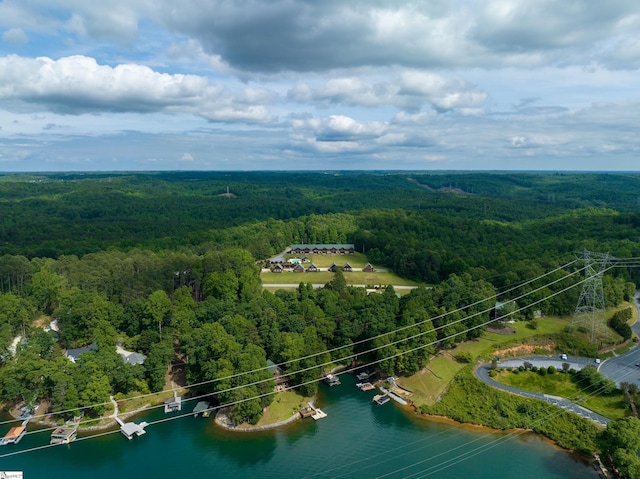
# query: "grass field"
284,406
323,277
429,383
564,385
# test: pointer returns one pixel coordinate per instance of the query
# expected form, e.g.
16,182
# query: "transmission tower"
590,311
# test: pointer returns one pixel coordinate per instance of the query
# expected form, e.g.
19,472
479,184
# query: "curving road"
624,368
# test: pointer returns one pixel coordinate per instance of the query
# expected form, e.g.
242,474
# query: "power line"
310,381
435,329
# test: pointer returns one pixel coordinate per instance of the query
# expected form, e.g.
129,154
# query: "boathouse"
14,435
131,429
173,404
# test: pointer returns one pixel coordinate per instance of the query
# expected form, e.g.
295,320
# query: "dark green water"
358,440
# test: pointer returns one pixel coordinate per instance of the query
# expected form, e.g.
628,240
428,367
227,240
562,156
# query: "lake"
357,439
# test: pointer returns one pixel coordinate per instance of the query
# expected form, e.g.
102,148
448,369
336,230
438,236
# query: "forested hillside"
167,265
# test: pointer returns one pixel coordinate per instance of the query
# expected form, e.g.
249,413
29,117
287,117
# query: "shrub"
551,370
534,369
542,371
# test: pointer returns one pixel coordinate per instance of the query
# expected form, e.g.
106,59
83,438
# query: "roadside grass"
430,383
284,405
564,385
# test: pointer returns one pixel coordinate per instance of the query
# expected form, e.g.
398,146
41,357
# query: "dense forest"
167,264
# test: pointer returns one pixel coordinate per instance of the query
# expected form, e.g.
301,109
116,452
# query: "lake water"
358,439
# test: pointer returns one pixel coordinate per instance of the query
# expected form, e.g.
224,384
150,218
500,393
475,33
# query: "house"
347,267
276,269
312,268
74,353
333,267
299,249
368,268
298,268
282,381
130,357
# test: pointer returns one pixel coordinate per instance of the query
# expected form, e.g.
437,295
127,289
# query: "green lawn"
428,384
284,406
563,385
323,277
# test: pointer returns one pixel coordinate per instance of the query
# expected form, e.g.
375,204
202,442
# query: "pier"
318,413
128,429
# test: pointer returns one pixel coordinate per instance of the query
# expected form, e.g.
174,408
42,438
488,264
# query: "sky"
319,85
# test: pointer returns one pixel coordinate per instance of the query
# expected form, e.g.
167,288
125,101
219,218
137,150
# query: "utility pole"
591,310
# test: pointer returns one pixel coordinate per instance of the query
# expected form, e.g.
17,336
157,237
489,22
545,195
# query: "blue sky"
308,84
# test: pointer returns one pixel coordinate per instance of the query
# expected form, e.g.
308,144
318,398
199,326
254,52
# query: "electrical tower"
590,312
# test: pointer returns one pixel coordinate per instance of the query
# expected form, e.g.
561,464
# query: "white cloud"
79,84
186,157
15,36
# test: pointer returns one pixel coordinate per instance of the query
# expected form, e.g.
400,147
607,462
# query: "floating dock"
381,399
363,376
394,396
365,386
64,435
317,413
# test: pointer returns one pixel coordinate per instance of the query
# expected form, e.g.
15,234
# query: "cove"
358,439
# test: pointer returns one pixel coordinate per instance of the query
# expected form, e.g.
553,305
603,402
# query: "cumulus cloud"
410,91
78,84
281,35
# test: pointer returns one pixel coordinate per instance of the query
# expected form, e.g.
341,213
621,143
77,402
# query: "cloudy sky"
319,84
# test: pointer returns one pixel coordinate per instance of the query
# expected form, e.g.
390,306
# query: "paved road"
623,368
482,373
619,369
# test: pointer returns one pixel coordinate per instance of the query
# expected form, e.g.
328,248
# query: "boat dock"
381,399
15,434
365,386
332,380
318,413
394,396
202,408
64,434
131,429
173,404
363,376
128,429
